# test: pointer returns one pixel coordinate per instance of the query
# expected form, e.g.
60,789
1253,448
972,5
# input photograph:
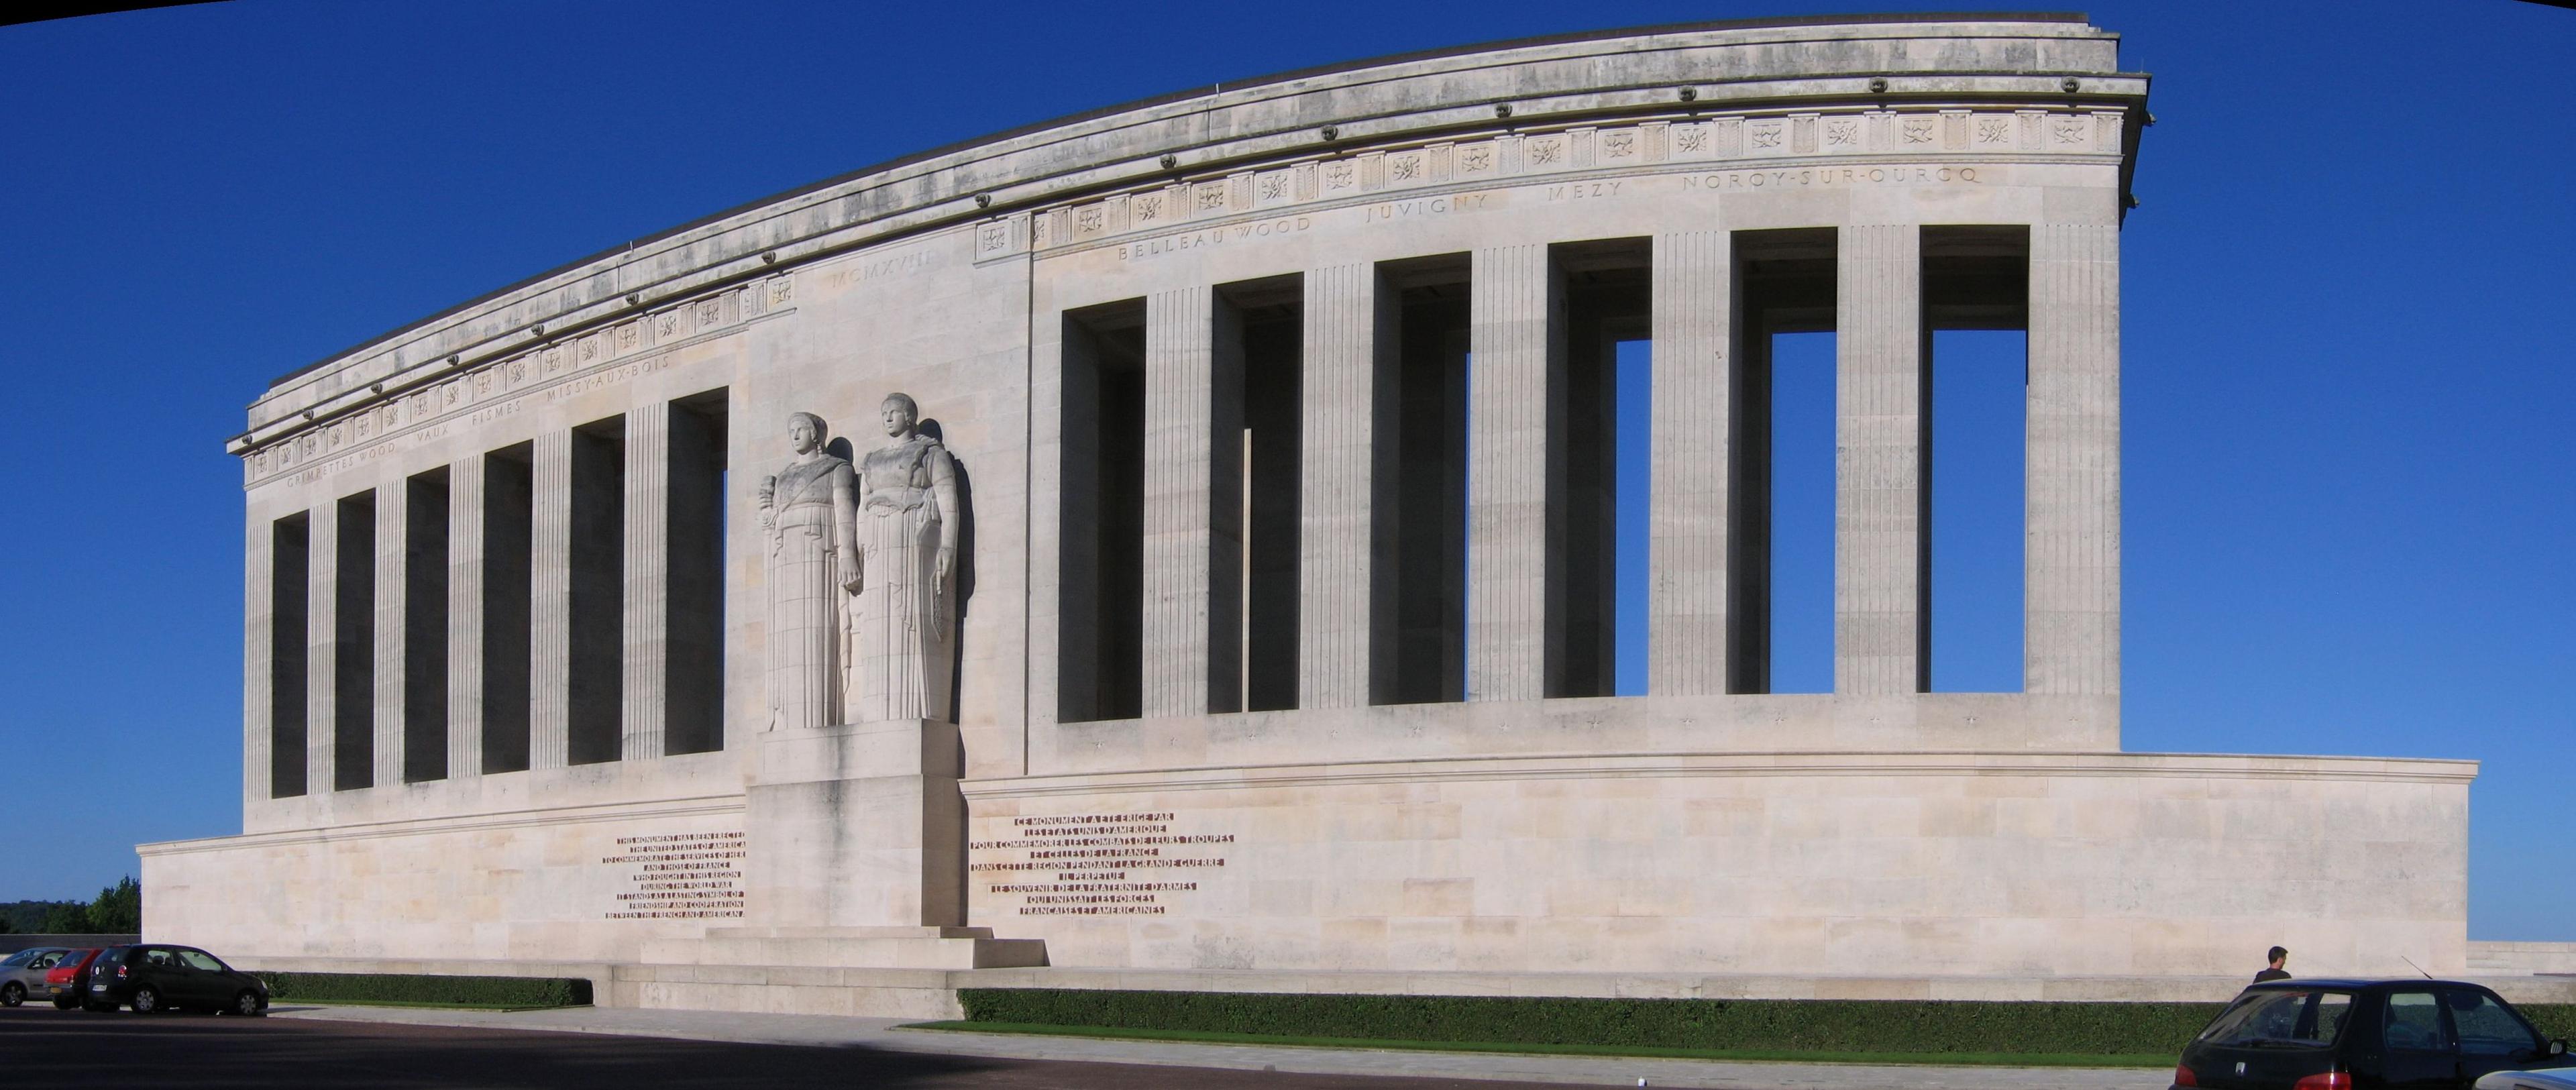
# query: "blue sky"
2348,378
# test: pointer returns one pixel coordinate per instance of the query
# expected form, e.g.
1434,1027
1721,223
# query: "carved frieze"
601,357
1361,174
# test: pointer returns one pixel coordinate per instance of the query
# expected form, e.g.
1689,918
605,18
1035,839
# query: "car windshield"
2286,1018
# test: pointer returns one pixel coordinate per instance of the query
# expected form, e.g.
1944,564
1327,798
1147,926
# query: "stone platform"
931,993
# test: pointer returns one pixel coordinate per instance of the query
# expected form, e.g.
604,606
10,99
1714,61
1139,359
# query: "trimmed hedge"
1799,1025
476,991
2556,1020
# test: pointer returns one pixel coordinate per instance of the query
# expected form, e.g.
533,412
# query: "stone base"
931,993
858,825
850,948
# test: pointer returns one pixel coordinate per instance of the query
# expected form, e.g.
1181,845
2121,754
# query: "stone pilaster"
1193,502
259,618
1688,635
392,519
2071,556
1346,534
321,665
648,568
550,588
465,618
1881,642
1516,391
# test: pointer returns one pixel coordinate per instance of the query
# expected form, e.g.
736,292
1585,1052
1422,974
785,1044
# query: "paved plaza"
586,1046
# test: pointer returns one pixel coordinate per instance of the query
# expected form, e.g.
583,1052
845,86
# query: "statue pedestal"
857,826
856,860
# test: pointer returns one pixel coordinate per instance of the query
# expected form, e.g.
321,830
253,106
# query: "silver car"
23,973
2559,1079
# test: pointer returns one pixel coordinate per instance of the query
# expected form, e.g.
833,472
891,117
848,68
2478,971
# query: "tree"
119,909
67,918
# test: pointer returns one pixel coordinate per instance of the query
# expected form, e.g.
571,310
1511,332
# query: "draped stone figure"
807,509
906,534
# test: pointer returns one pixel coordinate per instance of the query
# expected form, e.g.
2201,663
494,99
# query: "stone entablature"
1886,147
2056,69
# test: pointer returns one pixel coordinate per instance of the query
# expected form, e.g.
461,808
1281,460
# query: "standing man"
2274,971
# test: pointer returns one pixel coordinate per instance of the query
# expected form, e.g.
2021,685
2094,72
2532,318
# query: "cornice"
1027,190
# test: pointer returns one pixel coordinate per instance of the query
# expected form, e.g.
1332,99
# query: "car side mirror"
2558,1047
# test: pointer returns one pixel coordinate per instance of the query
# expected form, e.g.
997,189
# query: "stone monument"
1276,651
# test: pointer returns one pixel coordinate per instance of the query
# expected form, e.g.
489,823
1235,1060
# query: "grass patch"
1741,1055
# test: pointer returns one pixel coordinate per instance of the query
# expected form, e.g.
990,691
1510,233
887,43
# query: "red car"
63,981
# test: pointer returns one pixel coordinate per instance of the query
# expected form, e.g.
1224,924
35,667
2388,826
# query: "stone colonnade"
1193,546
512,609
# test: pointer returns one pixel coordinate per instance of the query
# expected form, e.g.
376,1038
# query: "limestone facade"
1276,637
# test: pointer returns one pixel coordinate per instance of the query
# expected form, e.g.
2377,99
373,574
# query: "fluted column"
1346,534
2071,553
392,551
1516,390
321,666
648,581
1881,641
465,618
550,587
1688,634
1193,504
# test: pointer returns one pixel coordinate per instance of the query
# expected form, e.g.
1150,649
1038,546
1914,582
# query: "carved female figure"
807,509
907,546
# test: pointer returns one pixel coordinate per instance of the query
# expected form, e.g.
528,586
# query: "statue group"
861,566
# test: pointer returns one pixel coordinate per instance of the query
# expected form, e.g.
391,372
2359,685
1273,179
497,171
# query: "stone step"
859,951
787,989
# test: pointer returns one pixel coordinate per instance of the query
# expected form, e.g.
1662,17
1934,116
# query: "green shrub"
1840,1026
479,991
2552,1019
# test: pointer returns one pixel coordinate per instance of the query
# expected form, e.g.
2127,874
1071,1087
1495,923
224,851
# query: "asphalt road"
41,1046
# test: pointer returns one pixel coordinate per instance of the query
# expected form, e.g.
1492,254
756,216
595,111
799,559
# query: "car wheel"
98,1008
12,994
246,1004
147,1001
65,1002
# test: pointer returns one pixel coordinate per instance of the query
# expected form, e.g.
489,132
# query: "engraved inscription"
1583,191
1427,206
1126,864
679,876
1214,236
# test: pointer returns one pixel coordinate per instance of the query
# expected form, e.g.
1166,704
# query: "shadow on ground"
203,1052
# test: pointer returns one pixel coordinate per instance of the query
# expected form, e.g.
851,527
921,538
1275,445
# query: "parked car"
2364,1035
156,977
68,980
2529,1080
23,973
